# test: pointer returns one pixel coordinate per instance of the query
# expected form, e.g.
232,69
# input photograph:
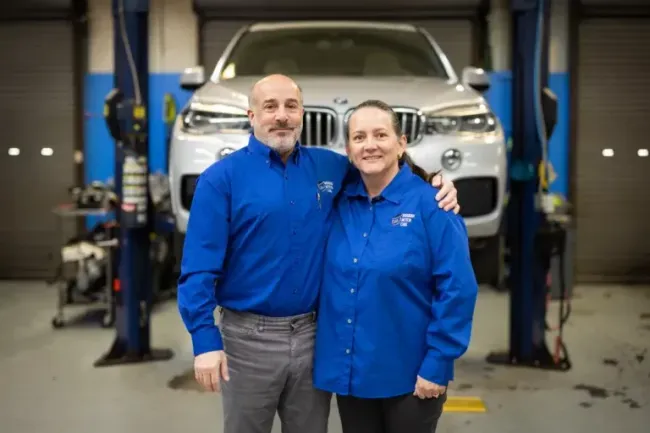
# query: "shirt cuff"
436,369
206,340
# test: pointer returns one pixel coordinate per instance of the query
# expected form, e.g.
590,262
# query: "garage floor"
49,385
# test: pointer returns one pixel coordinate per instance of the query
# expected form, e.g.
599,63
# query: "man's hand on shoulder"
210,368
448,195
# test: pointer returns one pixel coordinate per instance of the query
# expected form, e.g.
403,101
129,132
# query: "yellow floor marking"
465,404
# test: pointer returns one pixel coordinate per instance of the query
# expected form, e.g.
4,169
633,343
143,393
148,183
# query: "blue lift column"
126,114
531,237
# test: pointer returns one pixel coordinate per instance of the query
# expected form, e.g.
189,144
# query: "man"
254,246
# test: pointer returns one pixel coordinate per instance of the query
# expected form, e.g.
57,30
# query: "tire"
163,269
488,260
57,323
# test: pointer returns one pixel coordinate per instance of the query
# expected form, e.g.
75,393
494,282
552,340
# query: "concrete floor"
48,383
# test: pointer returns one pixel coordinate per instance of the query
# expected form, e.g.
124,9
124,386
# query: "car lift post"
126,113
527,224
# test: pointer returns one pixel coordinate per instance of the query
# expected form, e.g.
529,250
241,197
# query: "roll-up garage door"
613,169
453,35
37,112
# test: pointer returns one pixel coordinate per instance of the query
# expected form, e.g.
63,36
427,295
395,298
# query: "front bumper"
480,179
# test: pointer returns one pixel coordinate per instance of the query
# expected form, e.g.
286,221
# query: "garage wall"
38,114
173,39
559,83
500,94
175,45
98,151
612,167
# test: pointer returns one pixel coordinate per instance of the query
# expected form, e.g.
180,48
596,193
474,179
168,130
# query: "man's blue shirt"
256,236
398,292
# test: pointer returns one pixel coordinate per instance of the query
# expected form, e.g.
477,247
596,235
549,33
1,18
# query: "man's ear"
250,114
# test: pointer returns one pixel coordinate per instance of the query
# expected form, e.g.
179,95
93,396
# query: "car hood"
424,93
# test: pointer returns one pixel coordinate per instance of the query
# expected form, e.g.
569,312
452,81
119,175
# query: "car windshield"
352,52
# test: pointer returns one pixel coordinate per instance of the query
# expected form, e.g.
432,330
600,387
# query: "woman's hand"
426,389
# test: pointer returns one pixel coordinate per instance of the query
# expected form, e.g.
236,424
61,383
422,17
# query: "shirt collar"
393,191
260,148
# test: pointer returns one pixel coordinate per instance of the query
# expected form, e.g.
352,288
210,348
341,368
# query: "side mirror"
192,78
476,78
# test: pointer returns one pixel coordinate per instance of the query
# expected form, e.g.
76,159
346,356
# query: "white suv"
339,64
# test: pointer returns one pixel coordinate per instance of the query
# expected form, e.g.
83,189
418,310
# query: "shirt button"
355,260
365,235
292,202
349,320
351,290
347,351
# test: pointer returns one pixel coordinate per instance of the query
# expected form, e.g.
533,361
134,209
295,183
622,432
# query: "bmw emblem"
340,101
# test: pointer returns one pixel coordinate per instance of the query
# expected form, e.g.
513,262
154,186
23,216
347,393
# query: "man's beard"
286,143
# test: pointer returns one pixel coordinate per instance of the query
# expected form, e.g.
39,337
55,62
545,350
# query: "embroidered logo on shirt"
403,219
326,186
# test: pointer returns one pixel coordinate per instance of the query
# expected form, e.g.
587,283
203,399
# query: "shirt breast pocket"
391,244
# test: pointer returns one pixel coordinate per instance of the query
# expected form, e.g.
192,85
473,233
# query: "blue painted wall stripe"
99,150
559,146
499,97
99,147
159,85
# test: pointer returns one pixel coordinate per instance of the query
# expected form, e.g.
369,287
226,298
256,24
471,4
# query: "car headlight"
217,118
461,120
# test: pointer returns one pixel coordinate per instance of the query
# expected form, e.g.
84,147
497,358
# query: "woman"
399,290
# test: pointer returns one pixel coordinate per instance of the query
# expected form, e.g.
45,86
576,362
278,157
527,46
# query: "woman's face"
372,143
